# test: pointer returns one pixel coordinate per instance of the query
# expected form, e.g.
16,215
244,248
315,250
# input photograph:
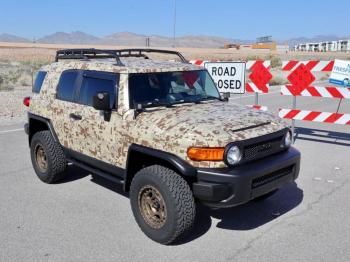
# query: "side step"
98,172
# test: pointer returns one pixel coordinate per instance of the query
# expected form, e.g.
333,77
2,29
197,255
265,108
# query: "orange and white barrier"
249,64
260,76
258,107
323,117
314,65
199,62
301,79
317,91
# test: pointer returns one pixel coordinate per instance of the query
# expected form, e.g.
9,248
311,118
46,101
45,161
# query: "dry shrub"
278,80
276,62
253,57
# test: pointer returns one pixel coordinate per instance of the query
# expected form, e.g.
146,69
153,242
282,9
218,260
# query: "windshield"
168,88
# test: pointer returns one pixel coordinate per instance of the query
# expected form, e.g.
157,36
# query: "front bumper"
226,187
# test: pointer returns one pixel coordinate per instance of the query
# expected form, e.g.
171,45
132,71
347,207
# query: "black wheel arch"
141,156
38,123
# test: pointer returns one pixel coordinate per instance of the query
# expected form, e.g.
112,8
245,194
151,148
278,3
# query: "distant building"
263,43
327,46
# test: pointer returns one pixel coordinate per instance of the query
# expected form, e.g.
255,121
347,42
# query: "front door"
97,134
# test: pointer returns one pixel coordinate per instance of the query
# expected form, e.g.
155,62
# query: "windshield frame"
132,104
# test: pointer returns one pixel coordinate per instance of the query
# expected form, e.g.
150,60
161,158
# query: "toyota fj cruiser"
159,128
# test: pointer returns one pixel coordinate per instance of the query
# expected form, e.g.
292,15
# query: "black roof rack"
93,53
140,52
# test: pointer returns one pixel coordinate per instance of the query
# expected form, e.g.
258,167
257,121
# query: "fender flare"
43,120
180,165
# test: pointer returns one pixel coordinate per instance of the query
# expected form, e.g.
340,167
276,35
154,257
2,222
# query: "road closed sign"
228,76
341,73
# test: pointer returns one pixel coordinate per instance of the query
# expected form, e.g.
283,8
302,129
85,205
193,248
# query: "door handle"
75,116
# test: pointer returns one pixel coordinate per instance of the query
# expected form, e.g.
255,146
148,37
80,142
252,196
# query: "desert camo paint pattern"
173,130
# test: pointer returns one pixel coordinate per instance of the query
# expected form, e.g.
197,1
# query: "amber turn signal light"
206,153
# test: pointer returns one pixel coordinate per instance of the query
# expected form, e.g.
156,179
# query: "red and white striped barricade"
301,79
258,107
259,78
321,117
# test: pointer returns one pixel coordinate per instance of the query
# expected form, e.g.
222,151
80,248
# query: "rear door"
65,111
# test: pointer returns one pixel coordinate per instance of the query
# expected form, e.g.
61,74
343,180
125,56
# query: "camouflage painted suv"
159,128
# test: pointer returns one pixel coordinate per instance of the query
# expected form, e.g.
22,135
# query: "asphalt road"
87,219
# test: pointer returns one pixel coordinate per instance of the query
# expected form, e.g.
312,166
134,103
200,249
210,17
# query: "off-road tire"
178,198
266,196
56,160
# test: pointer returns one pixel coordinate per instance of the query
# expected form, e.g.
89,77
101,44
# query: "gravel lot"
88,219
11,104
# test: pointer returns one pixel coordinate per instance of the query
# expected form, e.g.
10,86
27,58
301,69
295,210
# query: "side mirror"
101,101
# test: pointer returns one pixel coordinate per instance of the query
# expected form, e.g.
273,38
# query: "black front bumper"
226,187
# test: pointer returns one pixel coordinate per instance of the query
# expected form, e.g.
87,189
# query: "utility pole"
174,35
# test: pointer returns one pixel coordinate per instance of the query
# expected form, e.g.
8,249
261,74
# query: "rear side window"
96,82
39,81
67,84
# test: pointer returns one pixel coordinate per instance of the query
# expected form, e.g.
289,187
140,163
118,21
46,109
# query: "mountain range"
132,39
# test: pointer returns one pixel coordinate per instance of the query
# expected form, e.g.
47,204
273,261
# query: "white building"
327,46
344,45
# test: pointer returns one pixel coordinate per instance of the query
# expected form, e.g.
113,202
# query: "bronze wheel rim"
152,206
40,158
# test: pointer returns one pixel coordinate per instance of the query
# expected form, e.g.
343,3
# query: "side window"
95,82
39,81
66,85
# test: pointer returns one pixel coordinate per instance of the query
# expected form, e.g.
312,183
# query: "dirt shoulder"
12,110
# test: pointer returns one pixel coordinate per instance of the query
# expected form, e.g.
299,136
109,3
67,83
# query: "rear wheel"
162,203
47,156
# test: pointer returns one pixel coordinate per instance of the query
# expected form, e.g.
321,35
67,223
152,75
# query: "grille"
262,149
263,180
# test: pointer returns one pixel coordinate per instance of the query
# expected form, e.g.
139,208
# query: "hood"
212,123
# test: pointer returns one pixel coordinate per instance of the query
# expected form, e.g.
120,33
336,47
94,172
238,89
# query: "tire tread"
56,157
182,195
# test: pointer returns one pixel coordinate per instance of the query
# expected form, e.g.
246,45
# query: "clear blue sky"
236,19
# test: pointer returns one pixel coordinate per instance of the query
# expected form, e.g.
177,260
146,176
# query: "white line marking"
12,130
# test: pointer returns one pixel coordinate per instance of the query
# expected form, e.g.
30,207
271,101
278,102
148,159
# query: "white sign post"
341,73
228,76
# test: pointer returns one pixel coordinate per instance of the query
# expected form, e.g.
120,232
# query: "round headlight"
288,139
233,155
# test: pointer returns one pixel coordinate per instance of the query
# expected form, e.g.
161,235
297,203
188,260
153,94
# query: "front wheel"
162,204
